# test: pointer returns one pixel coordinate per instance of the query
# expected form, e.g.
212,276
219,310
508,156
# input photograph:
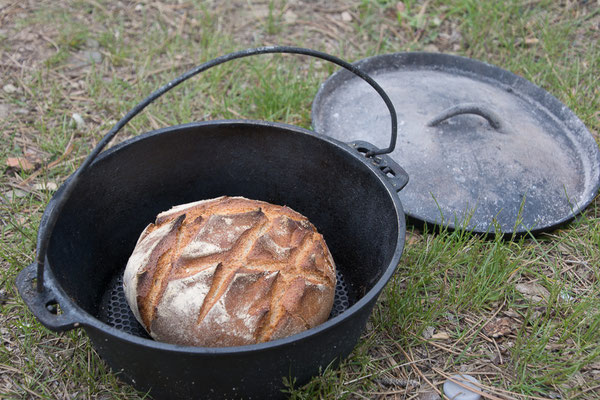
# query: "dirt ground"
33,55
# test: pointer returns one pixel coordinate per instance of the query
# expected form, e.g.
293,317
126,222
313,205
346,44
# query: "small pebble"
346,17
290,17
92,43
3,296
78,121
9,88
4,111
432,48
94,56
457,392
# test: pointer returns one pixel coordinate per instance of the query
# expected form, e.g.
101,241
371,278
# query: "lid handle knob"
469,108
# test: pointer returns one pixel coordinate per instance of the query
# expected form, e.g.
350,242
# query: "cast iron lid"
485,149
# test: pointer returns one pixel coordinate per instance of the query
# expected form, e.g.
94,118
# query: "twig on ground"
418,371
475,328
53,164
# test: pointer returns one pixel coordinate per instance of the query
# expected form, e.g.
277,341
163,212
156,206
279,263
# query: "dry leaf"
47,186
595,366
10,195
440,336
533,291
428,332
33,155
412,238
4,110
511,313
498,327
20,163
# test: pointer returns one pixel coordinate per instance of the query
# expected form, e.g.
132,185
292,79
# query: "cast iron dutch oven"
90,227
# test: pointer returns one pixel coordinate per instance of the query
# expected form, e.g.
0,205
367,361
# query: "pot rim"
87,320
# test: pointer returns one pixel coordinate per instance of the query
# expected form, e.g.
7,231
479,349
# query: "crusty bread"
229,272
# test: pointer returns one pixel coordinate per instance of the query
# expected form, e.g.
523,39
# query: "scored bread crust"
228,272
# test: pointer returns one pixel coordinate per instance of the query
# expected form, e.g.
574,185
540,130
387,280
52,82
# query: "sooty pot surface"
335,186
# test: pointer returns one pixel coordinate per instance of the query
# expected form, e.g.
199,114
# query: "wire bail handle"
47,226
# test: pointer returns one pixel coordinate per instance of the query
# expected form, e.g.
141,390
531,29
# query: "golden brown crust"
230,271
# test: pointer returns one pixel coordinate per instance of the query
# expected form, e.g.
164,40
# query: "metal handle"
47,226
469,108
45,304
391,170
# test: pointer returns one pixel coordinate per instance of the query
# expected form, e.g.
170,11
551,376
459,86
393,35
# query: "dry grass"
522,316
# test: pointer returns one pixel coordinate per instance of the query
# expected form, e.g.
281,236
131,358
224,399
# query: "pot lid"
485,149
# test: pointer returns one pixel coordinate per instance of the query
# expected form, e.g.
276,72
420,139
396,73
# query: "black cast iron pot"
90,227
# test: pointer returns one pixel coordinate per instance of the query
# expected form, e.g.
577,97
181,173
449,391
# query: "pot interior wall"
125,189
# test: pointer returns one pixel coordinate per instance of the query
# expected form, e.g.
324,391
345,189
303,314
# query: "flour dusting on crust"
229,272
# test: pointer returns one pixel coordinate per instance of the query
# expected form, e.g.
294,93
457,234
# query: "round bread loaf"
229,272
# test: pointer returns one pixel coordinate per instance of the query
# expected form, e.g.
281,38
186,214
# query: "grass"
433,318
